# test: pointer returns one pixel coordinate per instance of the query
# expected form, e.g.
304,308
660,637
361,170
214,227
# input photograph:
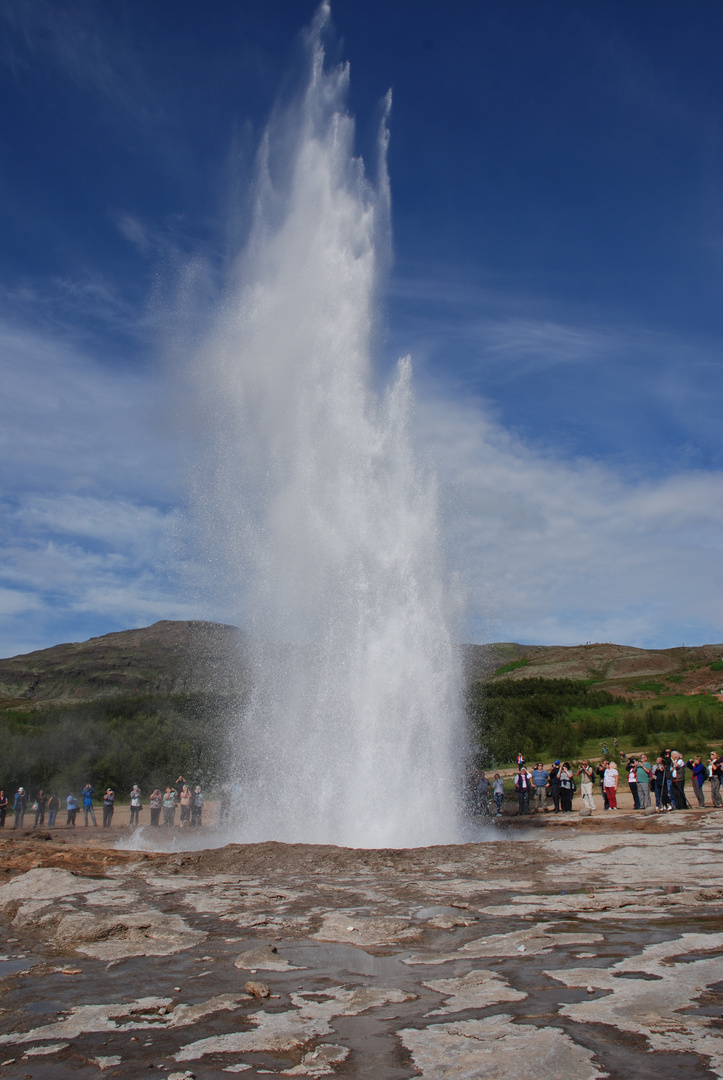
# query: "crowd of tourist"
662,780
181,794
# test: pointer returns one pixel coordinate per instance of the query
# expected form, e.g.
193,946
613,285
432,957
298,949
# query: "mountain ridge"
176,657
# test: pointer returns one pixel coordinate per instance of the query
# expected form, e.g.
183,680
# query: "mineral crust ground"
585,947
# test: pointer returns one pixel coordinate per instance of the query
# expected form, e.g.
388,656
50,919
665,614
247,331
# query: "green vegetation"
717,665
512,666
116,742
549,718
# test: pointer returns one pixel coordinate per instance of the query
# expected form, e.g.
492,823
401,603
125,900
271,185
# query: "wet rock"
42,1051
281,1032
709,894
145,1014
473,991
263,958
657,1009
275,1032
318,1062
48,883
367,930
447,922
110,937
497,1049
531,941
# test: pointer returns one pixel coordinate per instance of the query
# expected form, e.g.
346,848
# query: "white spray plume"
320,516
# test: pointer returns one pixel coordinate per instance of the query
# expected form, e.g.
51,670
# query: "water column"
318,513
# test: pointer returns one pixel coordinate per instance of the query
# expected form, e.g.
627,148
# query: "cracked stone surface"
362,930
658,1007
596,951
475,990
497,1049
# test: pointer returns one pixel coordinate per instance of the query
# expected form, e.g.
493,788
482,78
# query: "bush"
529,716
116,742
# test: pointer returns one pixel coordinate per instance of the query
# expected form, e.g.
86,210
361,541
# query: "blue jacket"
700,772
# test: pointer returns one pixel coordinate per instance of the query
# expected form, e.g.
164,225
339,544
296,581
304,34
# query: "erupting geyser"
353,733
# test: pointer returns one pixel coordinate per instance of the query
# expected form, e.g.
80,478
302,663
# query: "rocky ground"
564,946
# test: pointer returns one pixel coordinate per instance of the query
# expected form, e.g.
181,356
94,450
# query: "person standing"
186,800
657,781
156,803
3,808
522,787
587,778
108,808
632,768
53,807
677,776
20,804
668,779
610,780
715,772
643,772
555,786
169,806
41,800
699,775
601,774
197,807
87,795
540,777
498,790
136,806
72,804
566,787
483,794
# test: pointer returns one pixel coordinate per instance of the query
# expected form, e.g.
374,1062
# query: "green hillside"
142,705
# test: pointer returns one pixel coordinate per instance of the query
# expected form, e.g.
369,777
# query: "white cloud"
90,486
559,552
93,536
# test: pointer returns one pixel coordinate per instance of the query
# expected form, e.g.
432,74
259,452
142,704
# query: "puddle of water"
13,966
431,912
346,958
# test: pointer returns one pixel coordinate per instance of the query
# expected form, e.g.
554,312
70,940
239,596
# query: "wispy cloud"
90,484
85,41
576,382
550,548
559,552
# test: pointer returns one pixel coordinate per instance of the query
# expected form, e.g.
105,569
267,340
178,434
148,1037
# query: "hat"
557,761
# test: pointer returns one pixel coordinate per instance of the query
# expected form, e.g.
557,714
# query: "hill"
635,674
204,657
166,658
140,706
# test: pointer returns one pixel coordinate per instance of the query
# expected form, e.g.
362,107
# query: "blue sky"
557,197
